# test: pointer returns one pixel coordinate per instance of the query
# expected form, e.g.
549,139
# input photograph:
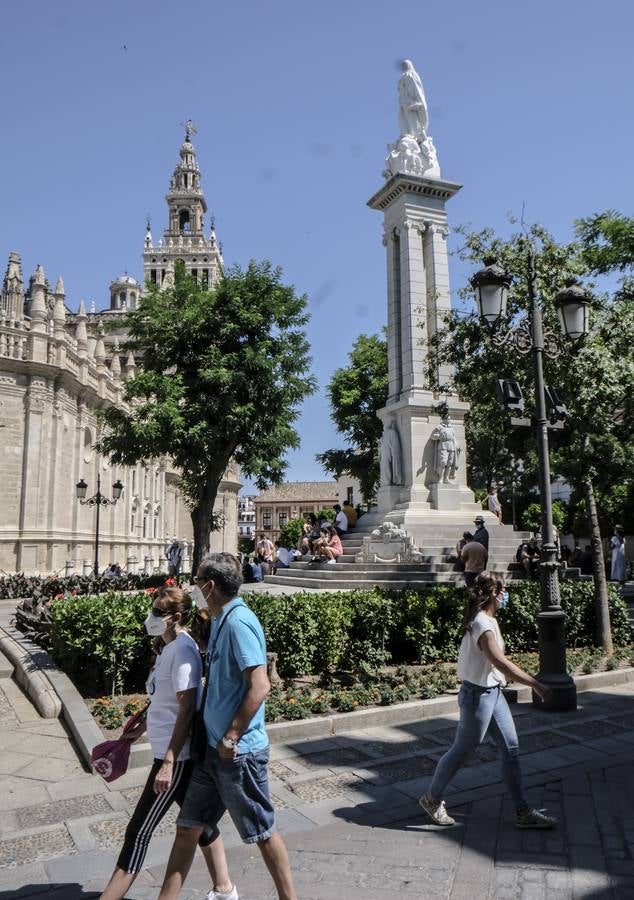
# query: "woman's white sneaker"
229,895
436,810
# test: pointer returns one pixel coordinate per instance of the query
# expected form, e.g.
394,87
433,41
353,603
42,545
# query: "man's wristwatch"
229,743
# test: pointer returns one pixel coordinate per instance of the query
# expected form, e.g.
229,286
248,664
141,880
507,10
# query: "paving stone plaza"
347,807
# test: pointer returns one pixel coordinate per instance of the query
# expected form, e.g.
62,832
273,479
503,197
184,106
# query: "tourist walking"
174,554
173,688
483,669
617,543
233,776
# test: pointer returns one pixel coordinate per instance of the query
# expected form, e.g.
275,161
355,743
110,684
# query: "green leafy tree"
356,392
224,373
291,533
595,447
532,517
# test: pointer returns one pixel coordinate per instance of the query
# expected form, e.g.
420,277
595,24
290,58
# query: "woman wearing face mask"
483,669
173,689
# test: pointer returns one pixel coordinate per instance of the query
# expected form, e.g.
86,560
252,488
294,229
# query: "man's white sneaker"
437,812
217,895
534,818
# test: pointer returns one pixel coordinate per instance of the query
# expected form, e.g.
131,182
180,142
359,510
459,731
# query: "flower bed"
342,692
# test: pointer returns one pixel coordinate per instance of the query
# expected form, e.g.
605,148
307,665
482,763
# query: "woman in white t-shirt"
483,669
174,689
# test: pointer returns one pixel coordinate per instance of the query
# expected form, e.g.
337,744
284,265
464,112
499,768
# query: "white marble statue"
412,113
446,452
390,457
414,152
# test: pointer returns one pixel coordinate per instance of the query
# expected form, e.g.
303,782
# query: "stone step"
416,582
380,567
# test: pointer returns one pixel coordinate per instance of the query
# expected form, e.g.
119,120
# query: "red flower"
151,591
169,582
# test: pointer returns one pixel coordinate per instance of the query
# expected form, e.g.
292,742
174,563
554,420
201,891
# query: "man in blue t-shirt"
234,774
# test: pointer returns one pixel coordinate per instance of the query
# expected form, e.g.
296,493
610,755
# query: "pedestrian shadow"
50,891
579,765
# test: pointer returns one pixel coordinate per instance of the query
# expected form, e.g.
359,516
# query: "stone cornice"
412,184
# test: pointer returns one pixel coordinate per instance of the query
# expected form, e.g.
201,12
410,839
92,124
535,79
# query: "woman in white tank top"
483,669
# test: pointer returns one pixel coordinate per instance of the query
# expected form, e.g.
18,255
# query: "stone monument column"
413,201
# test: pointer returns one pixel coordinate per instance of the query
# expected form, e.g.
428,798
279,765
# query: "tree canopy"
596,380
356,392
224,371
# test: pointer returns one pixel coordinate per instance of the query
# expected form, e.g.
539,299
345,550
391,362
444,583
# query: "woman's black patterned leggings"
149,811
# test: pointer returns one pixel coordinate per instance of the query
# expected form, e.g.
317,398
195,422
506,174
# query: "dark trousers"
150,810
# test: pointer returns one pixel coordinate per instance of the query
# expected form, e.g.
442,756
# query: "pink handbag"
110,759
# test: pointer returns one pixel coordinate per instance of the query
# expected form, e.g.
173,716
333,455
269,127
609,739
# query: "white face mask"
155,625
198,597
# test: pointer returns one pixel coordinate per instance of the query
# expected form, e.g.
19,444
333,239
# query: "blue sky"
295,103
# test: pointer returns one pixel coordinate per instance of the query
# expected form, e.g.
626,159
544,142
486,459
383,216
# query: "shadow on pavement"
580,766
50,891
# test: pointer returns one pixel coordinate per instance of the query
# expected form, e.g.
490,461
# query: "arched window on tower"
184,221
121,299
132,300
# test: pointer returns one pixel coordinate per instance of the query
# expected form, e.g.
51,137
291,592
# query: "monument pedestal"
450,497
415,229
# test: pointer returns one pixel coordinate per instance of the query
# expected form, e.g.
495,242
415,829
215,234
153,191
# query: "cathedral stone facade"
57,369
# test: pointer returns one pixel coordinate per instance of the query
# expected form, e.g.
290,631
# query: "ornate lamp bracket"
520,337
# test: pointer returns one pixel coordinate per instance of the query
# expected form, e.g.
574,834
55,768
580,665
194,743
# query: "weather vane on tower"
190,128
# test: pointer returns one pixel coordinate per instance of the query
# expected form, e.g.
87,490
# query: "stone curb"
414,711
30,677
55,696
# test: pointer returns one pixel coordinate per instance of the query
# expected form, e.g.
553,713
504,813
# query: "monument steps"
331,580
438,564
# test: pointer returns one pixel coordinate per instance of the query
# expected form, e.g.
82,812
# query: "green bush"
362,630
100,641
291,533
518,620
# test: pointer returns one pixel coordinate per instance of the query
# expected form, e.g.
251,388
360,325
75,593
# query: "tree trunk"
202,521
603,632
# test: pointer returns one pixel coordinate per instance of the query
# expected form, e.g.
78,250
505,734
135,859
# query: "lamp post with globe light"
491,285
97,500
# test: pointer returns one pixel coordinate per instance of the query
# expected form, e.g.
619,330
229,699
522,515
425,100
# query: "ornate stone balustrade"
13,343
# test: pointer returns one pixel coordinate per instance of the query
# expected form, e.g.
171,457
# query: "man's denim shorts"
239,785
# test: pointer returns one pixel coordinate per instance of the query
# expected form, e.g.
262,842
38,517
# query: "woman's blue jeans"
482,710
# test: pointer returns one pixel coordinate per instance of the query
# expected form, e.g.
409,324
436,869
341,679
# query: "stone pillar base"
451,497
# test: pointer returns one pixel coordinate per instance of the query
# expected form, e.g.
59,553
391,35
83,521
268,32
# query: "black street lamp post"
491,285
97,500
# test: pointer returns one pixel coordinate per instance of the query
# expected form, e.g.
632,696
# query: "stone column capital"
434,228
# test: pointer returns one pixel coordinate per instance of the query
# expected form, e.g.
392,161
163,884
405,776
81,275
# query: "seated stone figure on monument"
390,457
447,451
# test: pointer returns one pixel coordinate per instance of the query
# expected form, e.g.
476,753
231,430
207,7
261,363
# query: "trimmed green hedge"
101,643
315,632
100,640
